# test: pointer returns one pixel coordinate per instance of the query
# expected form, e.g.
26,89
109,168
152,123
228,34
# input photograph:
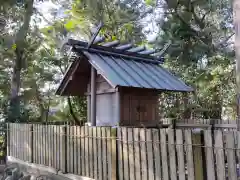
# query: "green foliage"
201,53
120,19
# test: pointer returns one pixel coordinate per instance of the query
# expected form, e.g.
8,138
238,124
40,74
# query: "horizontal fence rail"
217,124
122,153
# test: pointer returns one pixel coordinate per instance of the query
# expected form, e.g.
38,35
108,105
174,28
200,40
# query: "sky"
45,8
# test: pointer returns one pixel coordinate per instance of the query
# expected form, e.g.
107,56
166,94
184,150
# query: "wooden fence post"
64,149
198,155
114,153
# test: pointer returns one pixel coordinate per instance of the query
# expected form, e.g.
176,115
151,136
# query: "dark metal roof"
126,66
120,71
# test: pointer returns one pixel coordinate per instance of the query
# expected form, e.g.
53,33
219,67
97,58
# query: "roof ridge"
114,48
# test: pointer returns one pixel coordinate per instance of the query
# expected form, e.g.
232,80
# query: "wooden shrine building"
122,83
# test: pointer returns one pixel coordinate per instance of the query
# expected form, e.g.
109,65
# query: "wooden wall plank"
143,151
231,159
220,164
189,154
125,153
137,159
180,154
209,154
150,157
131,154
164,156
157,155
172,155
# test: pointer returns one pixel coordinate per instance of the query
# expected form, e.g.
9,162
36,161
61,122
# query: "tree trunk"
14,112
75,119
236,18
14,109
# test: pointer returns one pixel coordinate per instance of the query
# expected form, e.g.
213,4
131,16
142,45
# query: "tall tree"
25,11
236,15
201,51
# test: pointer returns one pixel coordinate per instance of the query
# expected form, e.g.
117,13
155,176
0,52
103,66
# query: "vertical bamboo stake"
197,156
64,149
31,145
114,154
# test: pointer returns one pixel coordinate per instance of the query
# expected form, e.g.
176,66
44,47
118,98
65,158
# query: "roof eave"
67,77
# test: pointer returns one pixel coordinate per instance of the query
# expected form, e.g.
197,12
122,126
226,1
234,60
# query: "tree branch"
224,41
76,120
